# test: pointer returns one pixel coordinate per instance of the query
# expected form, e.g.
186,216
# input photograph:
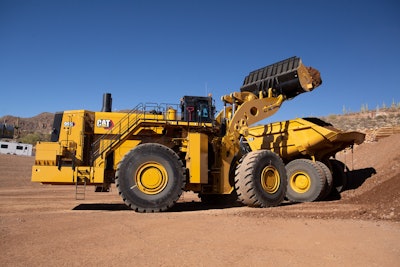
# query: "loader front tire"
306,181
150,178
260,179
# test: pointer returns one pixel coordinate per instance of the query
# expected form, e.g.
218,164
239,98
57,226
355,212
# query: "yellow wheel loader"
155,152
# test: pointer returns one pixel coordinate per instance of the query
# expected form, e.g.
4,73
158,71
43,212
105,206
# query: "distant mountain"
41,123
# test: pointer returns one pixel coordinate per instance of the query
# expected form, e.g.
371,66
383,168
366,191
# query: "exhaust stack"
107,103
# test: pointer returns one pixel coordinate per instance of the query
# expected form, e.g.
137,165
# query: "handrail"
126,125
111,137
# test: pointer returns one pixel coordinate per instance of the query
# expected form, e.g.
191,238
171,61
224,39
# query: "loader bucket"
288,77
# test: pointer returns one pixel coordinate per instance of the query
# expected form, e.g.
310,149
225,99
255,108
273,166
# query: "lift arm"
263,92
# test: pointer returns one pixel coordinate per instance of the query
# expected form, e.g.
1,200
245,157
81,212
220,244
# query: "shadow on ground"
178,207
355,179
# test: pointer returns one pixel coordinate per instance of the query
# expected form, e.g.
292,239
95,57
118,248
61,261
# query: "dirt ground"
43,225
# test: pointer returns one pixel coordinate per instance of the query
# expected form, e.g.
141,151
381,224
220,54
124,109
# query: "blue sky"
60,55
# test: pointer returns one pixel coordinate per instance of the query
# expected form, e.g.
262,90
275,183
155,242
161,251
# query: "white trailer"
15,148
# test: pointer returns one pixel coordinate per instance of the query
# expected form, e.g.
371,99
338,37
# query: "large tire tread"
154,203
340,175
329,180
316,176
247,185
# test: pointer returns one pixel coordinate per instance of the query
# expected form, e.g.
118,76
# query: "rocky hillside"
41,123
376,124
31,130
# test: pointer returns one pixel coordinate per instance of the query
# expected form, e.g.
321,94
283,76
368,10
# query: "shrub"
33,138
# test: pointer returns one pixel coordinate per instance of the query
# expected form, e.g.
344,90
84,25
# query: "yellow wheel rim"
151,178
300,182
270,179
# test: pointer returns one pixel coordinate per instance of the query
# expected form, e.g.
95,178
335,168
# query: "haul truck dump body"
302,137
156,151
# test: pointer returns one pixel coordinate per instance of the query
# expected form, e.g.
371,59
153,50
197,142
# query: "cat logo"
106,124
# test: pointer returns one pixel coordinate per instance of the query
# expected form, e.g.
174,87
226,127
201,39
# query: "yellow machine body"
145,150
196,157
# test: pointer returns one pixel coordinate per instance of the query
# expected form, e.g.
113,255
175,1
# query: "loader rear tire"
150,178
260,179
306,181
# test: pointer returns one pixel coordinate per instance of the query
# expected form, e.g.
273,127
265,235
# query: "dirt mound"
375,180
371,164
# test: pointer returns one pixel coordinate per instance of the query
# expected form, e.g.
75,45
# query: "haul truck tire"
306,181
339,174
150,178
329,180
260,179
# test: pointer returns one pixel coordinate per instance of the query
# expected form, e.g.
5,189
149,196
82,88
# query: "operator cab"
197,109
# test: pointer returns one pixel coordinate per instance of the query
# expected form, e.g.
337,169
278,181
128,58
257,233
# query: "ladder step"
80,188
